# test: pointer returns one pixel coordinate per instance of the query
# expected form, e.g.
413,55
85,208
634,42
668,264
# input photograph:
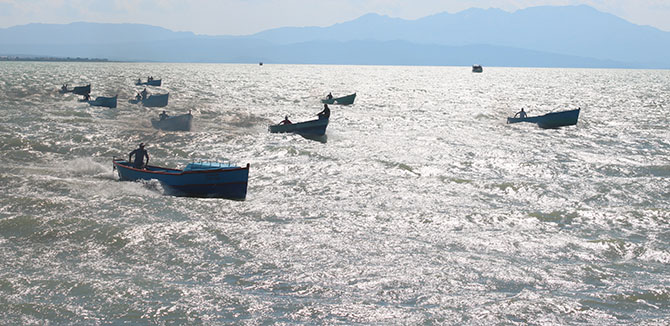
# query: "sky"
243,17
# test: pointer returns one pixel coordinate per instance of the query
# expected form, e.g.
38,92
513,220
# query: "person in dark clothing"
521,114
144,93
286,121
325,114
163,115
330,96
140,153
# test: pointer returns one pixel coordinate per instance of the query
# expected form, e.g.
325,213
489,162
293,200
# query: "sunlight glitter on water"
423,206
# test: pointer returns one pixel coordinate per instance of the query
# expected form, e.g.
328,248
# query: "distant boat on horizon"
477,68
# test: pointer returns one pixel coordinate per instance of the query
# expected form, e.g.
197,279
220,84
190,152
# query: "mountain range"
547,36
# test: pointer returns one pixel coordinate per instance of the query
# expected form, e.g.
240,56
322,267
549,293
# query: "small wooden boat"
477,68
78,90
551,120
153,101
344,100
109,102
201,179
308,128
174,123
153,82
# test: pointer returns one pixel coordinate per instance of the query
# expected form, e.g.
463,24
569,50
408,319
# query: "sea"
421,206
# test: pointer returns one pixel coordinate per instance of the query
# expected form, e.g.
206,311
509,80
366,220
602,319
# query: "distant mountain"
570,30
573,36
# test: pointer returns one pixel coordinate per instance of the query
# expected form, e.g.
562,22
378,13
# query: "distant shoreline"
50,59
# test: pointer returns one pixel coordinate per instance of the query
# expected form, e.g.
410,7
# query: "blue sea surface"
422,206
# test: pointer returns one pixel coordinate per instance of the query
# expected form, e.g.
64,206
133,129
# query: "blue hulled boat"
344,100
109,102
551,120
175,123
78,90
201,179
153,101
307,128
152,82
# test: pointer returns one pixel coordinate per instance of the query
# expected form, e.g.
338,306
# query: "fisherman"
138,97
521,114
325,114
64,88
144,93
140,153
286,121
87,97
330,96
163,115
139,81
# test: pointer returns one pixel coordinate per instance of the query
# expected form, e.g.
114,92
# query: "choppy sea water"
422,207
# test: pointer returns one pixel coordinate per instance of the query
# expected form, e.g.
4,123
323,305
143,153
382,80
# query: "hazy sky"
217,17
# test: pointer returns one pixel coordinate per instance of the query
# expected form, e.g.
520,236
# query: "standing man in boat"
521,114
330,96
144,93
140,153
325,114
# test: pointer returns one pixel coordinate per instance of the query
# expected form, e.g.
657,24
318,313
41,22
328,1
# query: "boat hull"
155,82
551,120
153,101
344,100
78,90
223,182
109,102
308,128
176,123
